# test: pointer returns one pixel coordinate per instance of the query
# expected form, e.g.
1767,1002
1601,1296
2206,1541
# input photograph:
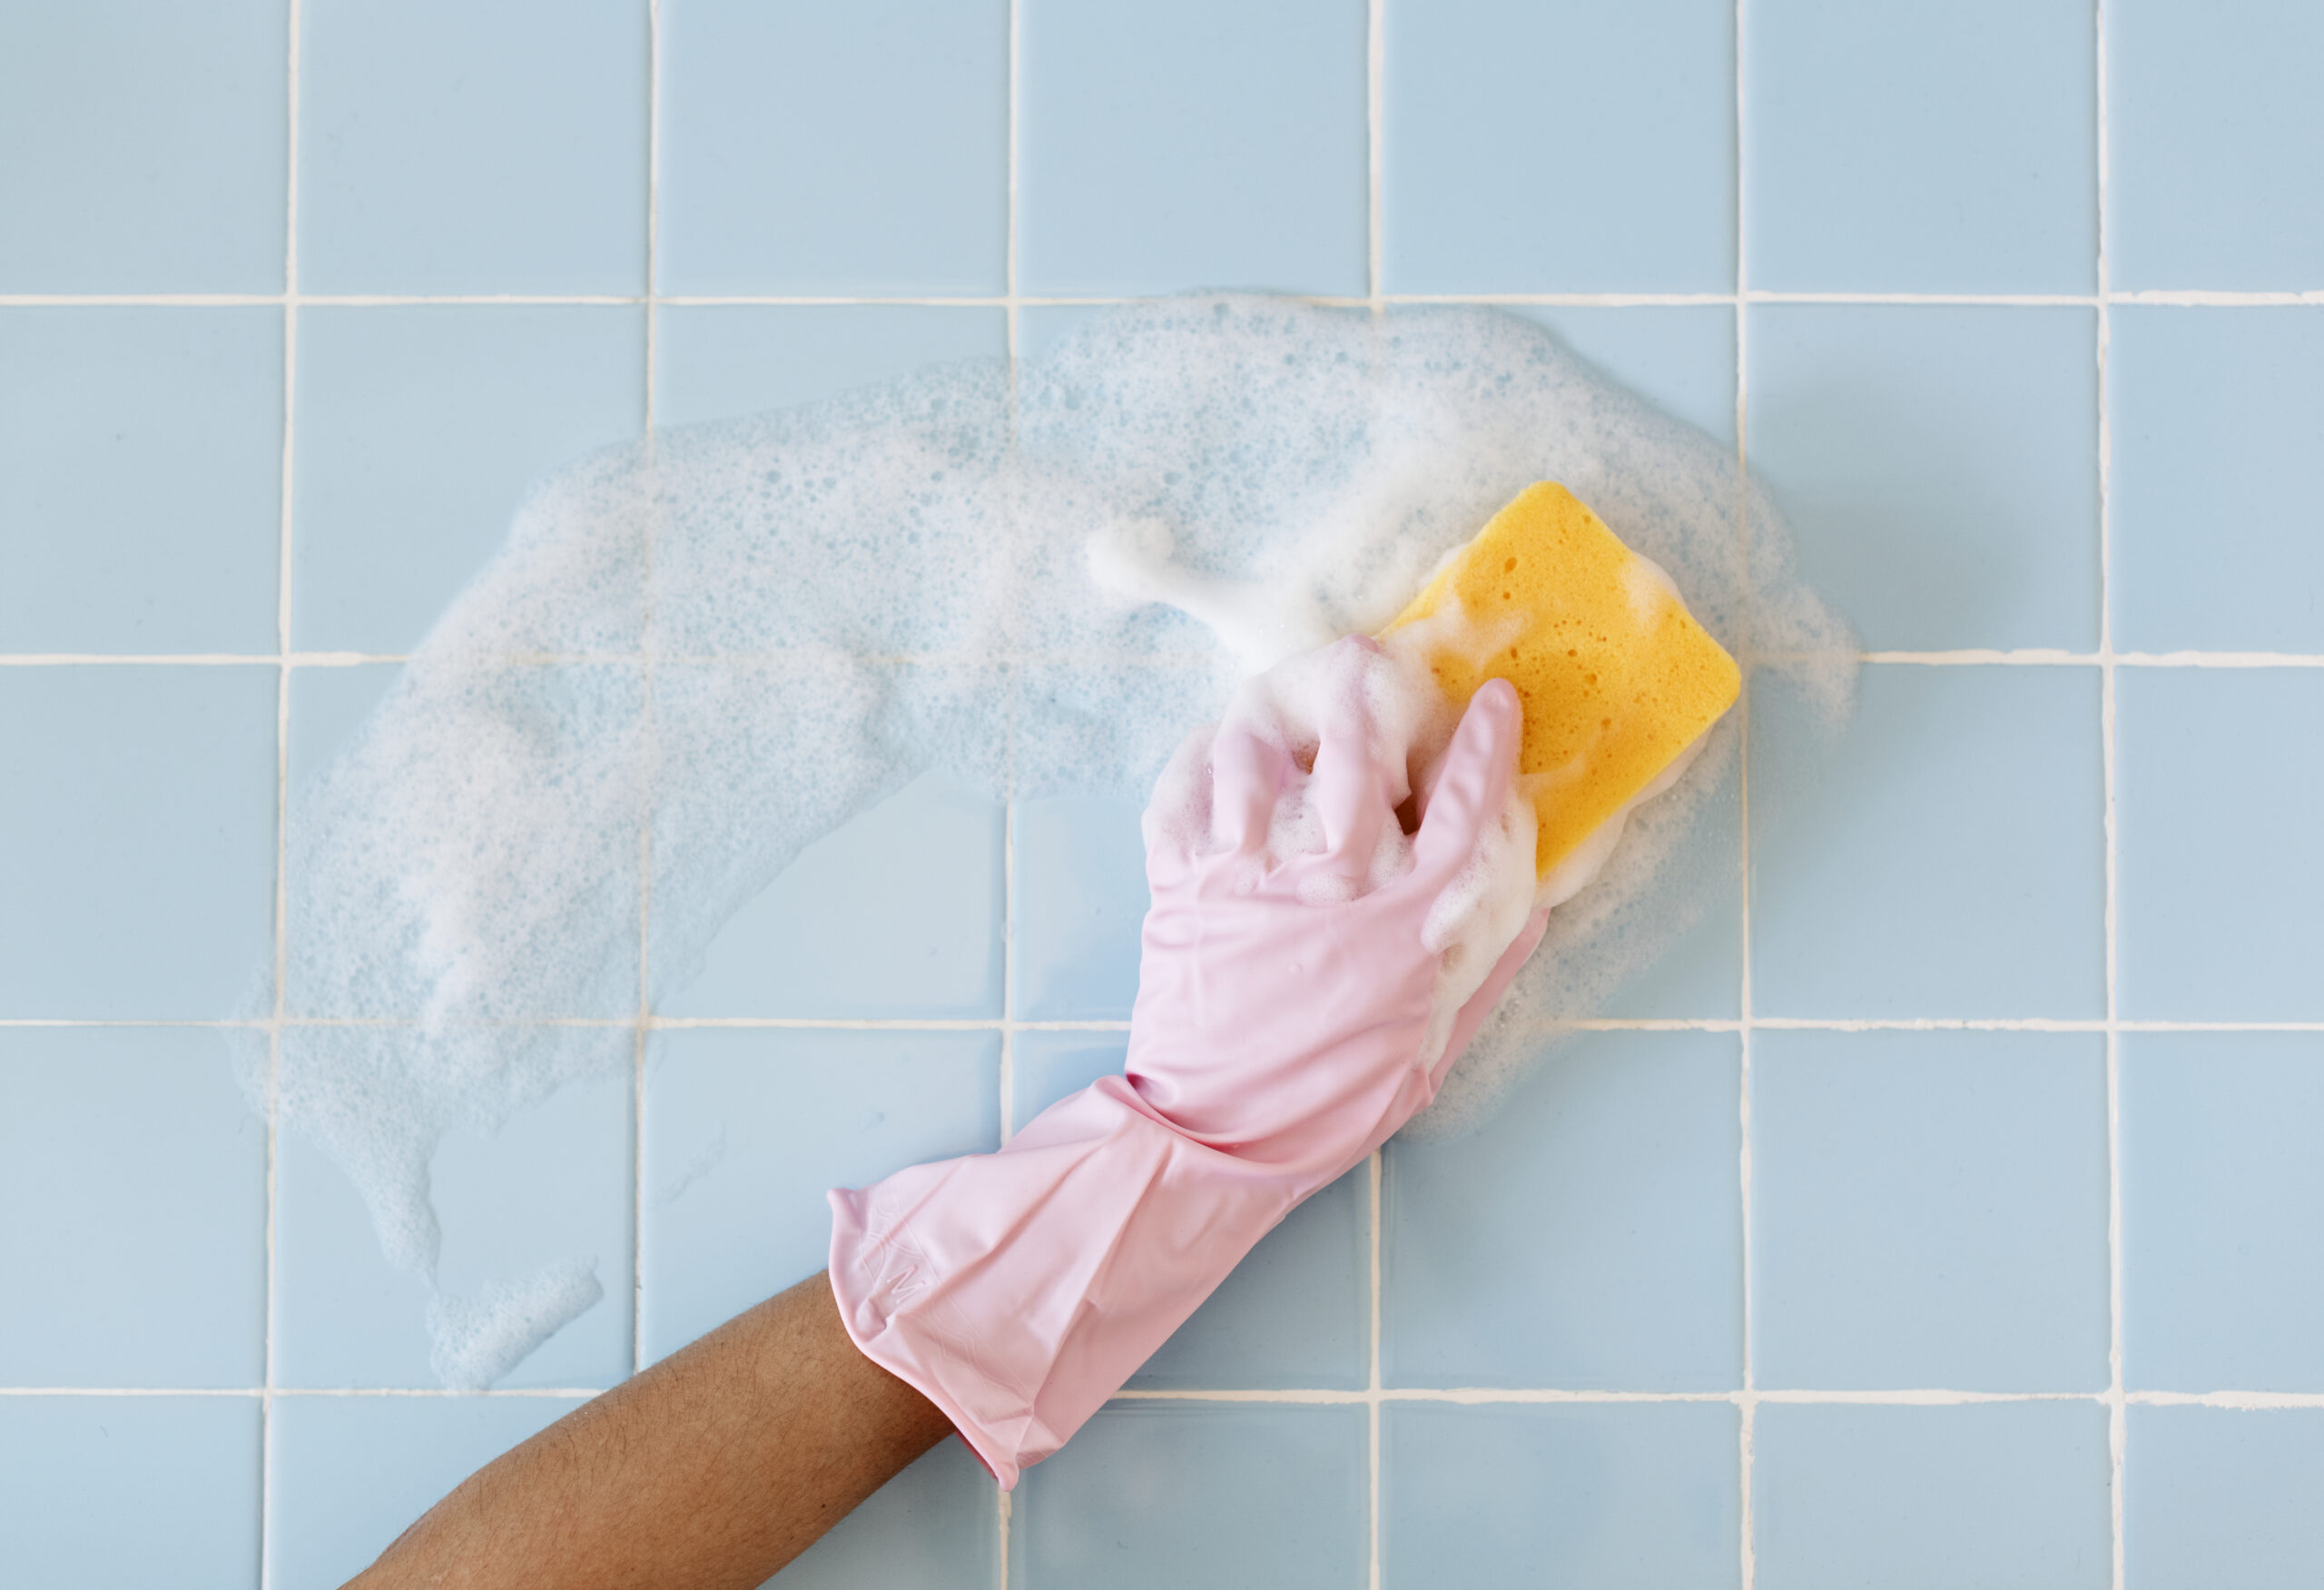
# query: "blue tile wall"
932,1528
1611,1495
1944,859
349,1474
2006,1493
2222,864
135,1289
118,1493
898,914
732,1194
855,149
443,150
1120,190
1902,148
1081,881
1563,147
2220,1492
718,360
1588,1234
418,430
491,236
1929,1209
2215,417
2222,1261
160,140
1681,357
1939,464
140,883
141,469
551,1187
1292,1314
1155,1494
2214,132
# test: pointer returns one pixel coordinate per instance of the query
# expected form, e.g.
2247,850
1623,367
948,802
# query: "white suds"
480,1338
960,572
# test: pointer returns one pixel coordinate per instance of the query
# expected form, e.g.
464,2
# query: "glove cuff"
1018,1290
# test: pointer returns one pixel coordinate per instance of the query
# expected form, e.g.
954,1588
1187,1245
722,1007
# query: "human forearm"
712,1468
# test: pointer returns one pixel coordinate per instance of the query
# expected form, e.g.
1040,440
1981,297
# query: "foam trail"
939,574
480,1338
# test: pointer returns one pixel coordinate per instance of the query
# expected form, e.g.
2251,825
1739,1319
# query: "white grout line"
1010,301
993,1024
1004,1502
1375,56
646,792
2193,297
1746,1400
1970,657
282,647
2234,1402
2117,1418
1376,1172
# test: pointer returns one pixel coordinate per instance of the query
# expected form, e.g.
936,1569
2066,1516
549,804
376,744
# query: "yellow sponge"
1616,677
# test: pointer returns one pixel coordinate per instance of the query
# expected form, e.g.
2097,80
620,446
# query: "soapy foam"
700,651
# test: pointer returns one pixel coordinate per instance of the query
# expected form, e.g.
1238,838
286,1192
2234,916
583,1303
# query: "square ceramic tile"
443,149
2214,134
1205,145
1079,901
2215,413
141,474
2223,1497
745,1131
551,1188
150,891
895,914
2001,1493
132,1203
329,706
420,430
1928,1209
348,1473
147,147
715,359
1627,186
2221,859
1294,1313
1680,357
858,149
1901,148
1628,1494
934,1526
1159,1493
119,1492
1588,1235
2223,1264
1944,858
1041,327
1699,974
1938,465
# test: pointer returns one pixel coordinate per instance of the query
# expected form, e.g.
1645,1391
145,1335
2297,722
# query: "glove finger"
1247,776
1481,1002
1473,781
1349,790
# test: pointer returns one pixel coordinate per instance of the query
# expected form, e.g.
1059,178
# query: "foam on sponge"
1618,680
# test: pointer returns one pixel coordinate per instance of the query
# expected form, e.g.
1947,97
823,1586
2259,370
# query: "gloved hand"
1309,972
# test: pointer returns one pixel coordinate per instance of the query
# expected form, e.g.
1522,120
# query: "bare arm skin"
711,1469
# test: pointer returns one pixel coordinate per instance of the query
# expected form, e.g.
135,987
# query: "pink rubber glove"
1309,974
